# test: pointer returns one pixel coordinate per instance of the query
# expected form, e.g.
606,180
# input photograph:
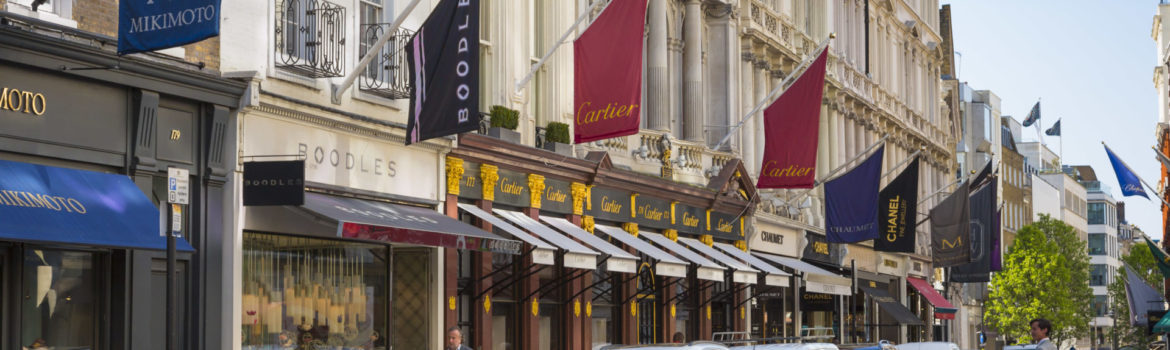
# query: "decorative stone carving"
489,174
454,174
535,189
587,223
579,192
631,227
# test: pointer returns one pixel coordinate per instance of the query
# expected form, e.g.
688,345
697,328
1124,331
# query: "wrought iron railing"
310,38
387,75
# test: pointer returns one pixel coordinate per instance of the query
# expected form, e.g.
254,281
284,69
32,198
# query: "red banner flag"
790,132
608,73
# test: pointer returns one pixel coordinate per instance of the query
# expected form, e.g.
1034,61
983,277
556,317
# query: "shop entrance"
647,310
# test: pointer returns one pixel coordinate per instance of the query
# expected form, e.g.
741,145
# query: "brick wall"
206,51
101,16
97,16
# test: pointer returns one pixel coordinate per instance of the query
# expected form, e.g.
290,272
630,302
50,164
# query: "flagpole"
904,161
775,91
1136,175
826,178
532,72
374,50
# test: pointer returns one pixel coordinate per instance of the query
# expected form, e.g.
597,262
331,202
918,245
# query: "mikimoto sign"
148,25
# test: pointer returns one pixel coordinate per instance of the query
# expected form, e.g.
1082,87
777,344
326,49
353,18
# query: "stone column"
481,318
747,132
850,140
529,323
834,138
761,92
693,76
657,94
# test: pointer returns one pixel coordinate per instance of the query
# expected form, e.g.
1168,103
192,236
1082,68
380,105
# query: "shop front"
655,265
342,236
84,153
775,310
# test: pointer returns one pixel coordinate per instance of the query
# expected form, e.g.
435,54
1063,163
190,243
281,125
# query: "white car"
1021,347
934,345
787,346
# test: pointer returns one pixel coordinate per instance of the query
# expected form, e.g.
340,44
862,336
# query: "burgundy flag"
790,127
608,73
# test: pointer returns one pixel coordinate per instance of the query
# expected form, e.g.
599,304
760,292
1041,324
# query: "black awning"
388,222
892,307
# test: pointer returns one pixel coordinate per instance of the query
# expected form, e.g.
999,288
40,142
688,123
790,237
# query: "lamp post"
1113,330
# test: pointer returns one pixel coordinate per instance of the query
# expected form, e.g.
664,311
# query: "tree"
1045,275
1141,261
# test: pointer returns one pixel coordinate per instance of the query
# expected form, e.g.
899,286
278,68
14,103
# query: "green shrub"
504,117
557,132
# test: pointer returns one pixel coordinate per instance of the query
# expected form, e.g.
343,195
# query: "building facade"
86,141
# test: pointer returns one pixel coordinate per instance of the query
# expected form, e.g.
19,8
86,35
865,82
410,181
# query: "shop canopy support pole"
496,271
652,289
732,291
757,294
512,280
545,289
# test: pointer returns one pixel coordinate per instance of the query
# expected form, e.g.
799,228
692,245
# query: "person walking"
1040,329
455,339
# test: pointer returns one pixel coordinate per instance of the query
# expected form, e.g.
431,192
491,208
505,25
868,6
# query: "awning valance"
388,222
706,270
942,307
741,273
666,265
542,252
576,255
892,307
619,260
816,279
47,204
772,276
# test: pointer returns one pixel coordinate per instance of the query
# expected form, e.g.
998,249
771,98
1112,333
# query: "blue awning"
47,204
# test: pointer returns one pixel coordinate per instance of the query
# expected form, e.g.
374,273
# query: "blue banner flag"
1033,116
149,25
851,202
1054,130
1131,185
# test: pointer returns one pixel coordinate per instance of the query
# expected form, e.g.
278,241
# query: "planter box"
509,135
563,149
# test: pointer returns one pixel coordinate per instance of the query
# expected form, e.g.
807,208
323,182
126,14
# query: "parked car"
1020,347
787,346
696,345
934,345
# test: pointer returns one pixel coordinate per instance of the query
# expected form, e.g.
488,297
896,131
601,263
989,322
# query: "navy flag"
444,72
1131,185
898,211
1054,130
1140,297
1033,116
851,202
149,25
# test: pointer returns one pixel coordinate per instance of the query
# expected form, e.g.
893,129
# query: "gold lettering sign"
589,114
511,187
771,169
724,226
26,102
690,220
651,212
821,247
892,227
555,194
890,263
611,206
39,200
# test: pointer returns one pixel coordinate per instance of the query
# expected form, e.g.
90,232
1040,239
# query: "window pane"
60,300
1097,275
301,291
1096,213
1096,244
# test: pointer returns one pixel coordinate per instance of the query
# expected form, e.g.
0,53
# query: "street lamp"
1113,329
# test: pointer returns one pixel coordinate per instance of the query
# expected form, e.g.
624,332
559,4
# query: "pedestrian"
678,338
1040,329
455,339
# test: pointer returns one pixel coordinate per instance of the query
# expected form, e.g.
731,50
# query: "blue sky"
1090,63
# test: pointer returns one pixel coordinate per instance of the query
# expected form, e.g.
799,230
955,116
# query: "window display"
309,293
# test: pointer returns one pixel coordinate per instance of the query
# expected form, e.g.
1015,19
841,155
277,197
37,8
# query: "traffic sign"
177,184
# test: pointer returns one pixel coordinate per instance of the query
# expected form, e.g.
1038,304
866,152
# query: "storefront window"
61,301
602,314
309,292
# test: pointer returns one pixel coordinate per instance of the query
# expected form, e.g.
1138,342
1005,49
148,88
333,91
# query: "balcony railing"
310,38
388,74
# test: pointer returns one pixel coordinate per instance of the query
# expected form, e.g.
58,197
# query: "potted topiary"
503,124
556,139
